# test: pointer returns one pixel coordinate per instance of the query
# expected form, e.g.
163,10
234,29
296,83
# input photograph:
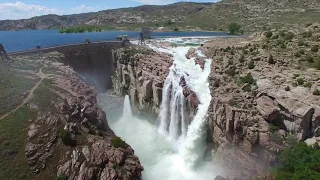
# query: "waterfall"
174,115
127,111
171,150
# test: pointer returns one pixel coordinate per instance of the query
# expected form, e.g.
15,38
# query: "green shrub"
169,23
308,85
301,43
276,137
241,59
265,46
231,72
296,75
287,88
273,128
315,48
271,60
300,81
234,28
299,162
67,139
316,92
251,65
289,36
301,51
247,88
291,140
176,29
268,34
118,142
317,64
247,79
308,58
297,54
283,45
245,51
275,36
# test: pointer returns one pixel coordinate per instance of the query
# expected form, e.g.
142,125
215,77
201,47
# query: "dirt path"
30,95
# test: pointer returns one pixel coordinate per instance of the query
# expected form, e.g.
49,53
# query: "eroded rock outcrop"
141,74
74,133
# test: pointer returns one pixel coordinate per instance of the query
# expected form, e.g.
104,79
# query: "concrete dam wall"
92,60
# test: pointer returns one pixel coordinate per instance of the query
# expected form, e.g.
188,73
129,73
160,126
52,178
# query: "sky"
22,9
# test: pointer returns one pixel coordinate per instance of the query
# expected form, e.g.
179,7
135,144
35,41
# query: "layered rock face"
260,106
72,137
141,74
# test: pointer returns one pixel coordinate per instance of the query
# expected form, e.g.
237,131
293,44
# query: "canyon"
217,106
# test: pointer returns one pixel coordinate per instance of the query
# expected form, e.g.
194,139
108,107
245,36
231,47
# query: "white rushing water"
175,149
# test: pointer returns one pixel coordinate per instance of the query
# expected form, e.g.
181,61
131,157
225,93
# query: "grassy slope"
14,88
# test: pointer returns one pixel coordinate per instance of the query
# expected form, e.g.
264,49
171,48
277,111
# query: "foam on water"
175,149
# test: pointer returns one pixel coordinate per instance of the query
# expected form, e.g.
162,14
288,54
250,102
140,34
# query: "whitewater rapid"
174,150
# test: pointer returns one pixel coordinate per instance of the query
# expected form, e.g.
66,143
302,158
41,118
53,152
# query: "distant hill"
253,14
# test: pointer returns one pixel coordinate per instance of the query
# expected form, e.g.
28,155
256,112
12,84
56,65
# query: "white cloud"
84,9
20,10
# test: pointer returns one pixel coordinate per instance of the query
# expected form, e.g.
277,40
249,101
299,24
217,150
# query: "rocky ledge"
265,97
71,138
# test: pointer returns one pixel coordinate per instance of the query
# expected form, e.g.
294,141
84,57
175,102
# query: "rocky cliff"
64,133
265,98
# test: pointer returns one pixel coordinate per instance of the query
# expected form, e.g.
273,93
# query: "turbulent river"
172,149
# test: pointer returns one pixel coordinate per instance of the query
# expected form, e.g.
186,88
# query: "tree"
234,28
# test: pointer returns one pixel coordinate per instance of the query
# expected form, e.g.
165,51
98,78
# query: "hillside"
186,16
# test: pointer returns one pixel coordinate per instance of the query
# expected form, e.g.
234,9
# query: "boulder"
268,108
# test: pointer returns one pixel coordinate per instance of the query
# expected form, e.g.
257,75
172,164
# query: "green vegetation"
247,79
299,162
13,133
315,48
308,58
82,29
268,34
300,81
251,65
276,137
301,43
276,36
118,142
287,88
316,92
241,59
317,64
234,28
273,128
169,23
308,85
67,139
271,60
289,36
231,71
291,140
13,87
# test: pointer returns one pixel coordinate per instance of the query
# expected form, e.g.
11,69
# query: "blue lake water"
24,40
